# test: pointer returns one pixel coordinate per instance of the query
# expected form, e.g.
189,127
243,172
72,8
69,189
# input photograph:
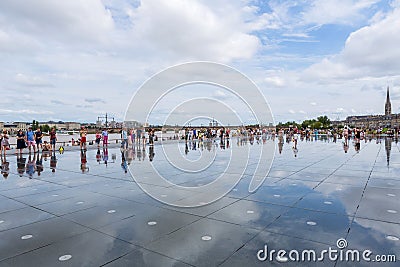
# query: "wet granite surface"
85,209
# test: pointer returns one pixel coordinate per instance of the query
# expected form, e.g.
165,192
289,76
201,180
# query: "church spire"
388,105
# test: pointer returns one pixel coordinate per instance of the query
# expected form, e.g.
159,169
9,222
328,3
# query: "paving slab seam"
292,206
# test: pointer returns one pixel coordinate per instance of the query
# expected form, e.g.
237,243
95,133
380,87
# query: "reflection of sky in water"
309,200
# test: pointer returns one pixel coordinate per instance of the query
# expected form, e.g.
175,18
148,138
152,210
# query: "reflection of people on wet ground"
186,148
222,144
46,146
124,165
345,145
143,153
357,145
295,151
5,166
288,138
388,148
53,161
129,156
208,145
139,153
98,155
39,164
133,152
45,154
30,165
151,153
20,164
84,162
105,155
280,144
194,147
227,143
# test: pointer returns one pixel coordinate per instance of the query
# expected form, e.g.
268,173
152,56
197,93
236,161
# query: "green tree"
45,128
325,121
317,125
308,123
288,124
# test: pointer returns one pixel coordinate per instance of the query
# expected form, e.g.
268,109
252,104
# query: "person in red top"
98,138
83,133
53,138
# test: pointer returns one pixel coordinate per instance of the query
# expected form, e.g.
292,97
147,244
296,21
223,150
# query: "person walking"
104,133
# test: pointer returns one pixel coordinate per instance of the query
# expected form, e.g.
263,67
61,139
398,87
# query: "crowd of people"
33,140
133,144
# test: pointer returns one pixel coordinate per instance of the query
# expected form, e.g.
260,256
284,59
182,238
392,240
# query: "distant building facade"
132,124
58,125
13,127
388,120
72,126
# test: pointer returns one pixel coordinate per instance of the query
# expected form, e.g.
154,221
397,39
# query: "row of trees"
43,128
322,122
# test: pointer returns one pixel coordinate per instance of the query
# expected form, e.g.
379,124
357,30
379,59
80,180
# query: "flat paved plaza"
85,209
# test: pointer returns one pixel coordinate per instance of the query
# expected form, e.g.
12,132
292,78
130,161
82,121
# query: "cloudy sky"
75,60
